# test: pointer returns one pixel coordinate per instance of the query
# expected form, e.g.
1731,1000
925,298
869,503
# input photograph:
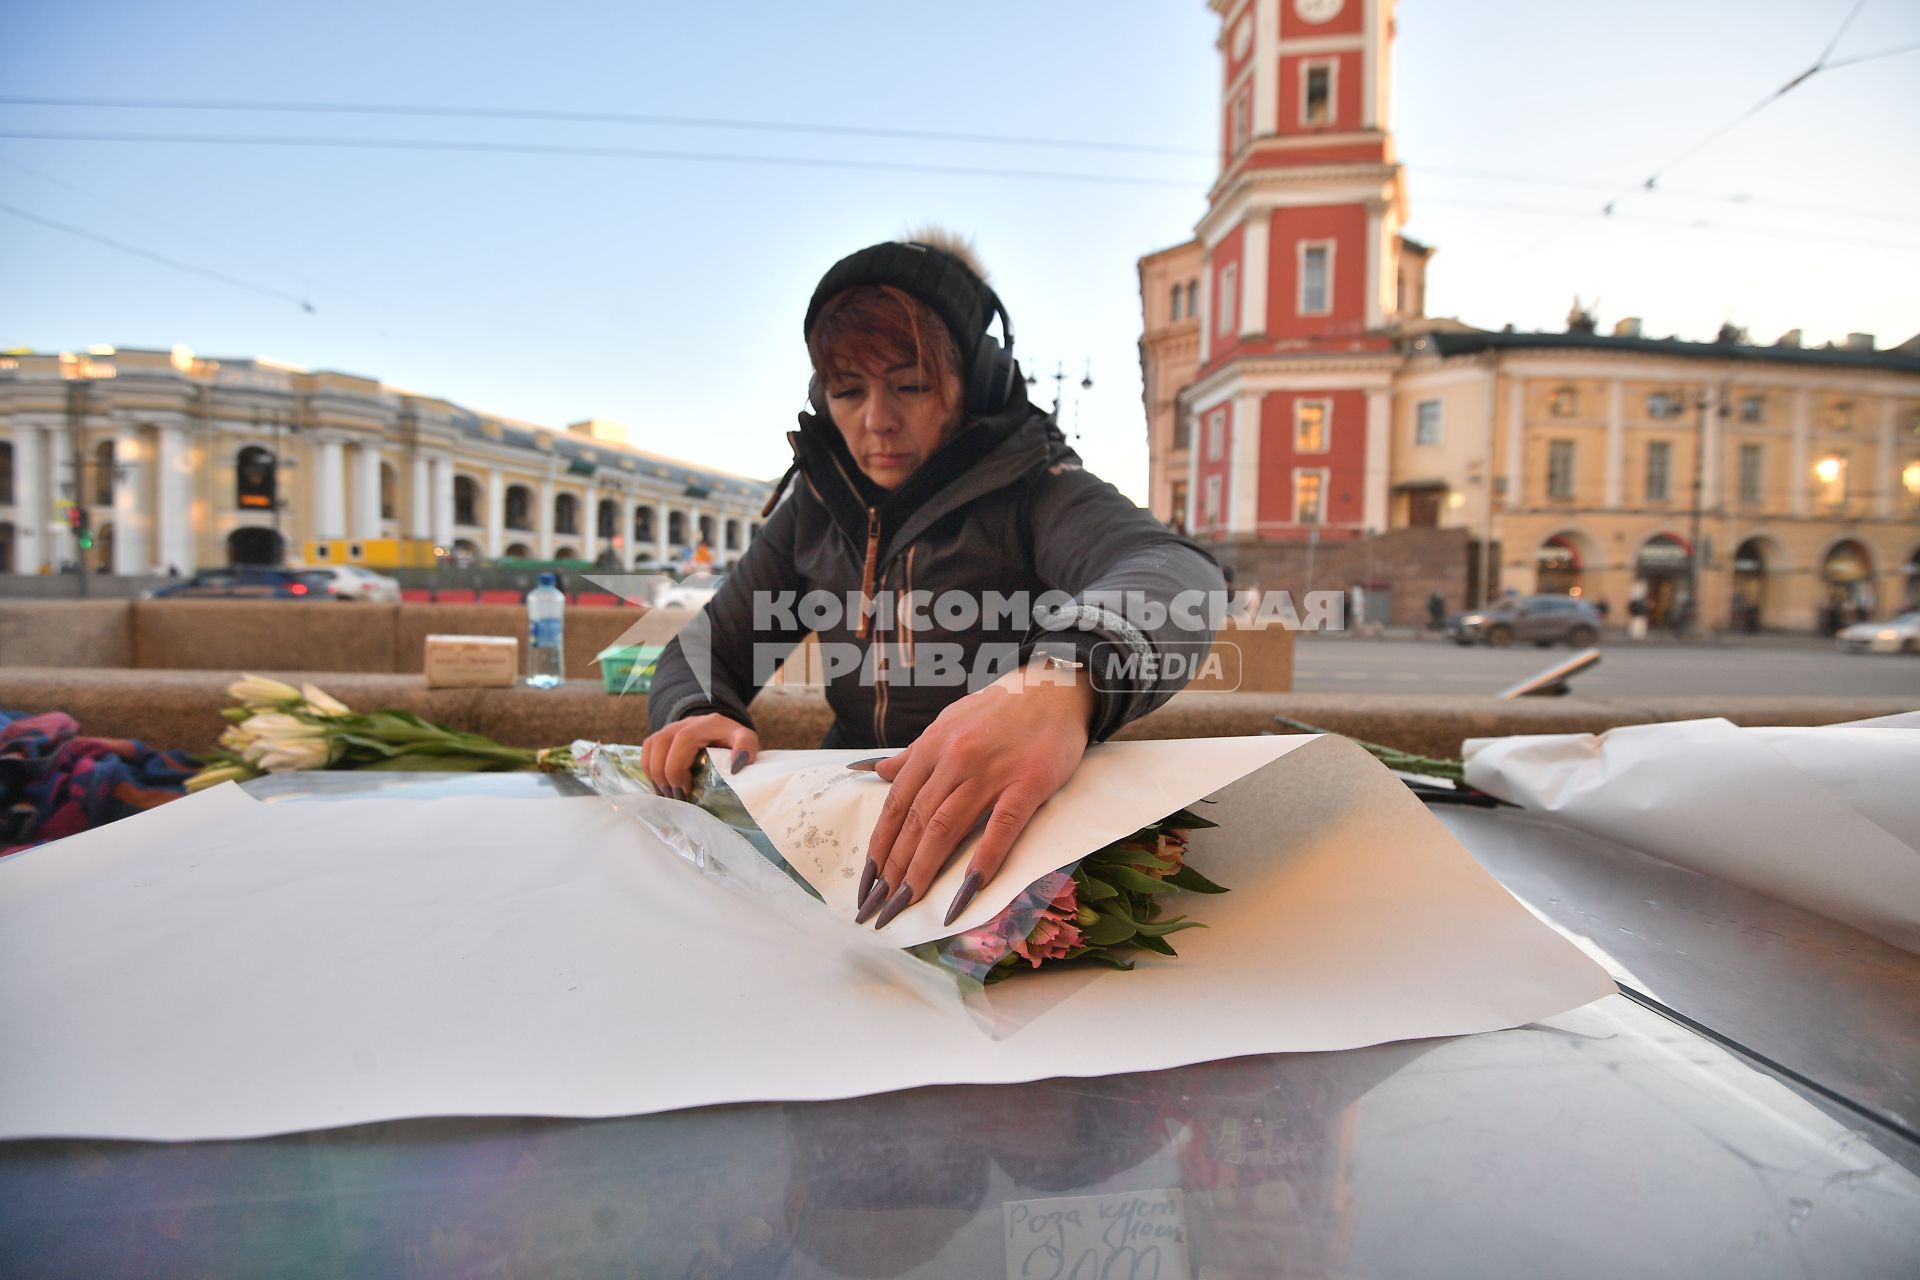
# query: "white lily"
259,691
278,725
294,754
322,703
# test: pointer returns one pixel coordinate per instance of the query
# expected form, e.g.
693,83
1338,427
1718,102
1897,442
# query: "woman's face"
892,418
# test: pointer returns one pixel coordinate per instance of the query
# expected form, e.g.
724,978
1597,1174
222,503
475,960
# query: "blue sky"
667,293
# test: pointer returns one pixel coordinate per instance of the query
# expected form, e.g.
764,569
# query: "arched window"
519,504
466,500
706,530
6,474
566,514
389,492
519,551
643,524
677,528
256,479
733,535
607,519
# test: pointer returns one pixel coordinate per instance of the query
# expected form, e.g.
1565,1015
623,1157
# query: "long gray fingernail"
895,905
968,887
867,873
871,903
866,766
739,761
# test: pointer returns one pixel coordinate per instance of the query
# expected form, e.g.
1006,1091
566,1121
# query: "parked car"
1544,620
351,582
1898,634
248,582
691,592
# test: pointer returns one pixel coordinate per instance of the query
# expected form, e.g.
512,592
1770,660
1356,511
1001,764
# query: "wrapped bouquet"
1098,910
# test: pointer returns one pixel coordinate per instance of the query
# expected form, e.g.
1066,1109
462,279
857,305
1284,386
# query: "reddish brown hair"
879,326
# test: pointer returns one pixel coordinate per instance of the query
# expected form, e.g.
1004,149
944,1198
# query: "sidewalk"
1612,636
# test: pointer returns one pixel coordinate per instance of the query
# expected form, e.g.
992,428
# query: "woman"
978,597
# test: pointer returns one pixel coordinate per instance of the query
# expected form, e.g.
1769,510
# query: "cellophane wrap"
714,835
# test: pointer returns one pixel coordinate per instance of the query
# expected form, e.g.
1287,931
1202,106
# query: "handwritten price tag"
1136,1235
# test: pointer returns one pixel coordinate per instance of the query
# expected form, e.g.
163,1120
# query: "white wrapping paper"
1824,818
221,968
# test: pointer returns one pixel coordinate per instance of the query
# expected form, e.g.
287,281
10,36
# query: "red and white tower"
1305,273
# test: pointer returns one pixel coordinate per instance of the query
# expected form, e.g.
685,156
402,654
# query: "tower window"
1316,292
1242,120
1752,461
1308,488
1229,281
1426,422
1316,103
1310,426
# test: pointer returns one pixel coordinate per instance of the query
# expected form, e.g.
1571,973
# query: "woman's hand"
997,754
668,756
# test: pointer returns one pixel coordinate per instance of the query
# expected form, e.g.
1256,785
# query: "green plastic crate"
618,661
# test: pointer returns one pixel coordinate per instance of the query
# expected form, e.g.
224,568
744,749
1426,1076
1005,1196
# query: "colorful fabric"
54,783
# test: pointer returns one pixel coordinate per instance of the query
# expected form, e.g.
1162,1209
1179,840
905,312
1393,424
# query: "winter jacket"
1000,515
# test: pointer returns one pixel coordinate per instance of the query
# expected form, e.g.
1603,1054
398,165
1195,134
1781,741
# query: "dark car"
1544,620
248,582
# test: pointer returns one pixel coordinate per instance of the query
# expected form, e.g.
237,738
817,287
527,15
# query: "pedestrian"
1436,611
1637,611
1603,607
927,474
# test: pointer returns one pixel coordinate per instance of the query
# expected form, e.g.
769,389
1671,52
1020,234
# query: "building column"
129,508
629,546
1711,472
60,546
366,491
496,513
1253,274
661,547
1378,461
590,531
1616,443
420,499
1516,437
1797,455
1376,267
330,491
442,482
543,521
1888,486
1243,467
30,538
175,484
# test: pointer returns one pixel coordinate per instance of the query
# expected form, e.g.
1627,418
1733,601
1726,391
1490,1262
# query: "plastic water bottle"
546,620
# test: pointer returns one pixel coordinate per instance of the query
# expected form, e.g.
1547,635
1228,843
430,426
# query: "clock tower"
1303,281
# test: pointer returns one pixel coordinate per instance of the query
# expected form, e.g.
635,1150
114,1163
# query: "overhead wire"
136,251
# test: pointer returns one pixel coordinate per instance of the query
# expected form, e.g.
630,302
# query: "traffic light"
77,521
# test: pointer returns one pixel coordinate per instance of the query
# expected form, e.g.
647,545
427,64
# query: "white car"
691,592
351,582
1898,634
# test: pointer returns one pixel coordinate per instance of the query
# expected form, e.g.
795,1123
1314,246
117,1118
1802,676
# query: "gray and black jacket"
1001,514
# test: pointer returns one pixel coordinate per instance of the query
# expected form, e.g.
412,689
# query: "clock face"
1317,10
1243,37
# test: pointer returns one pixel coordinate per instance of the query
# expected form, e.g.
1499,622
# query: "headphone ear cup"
990,385
817,396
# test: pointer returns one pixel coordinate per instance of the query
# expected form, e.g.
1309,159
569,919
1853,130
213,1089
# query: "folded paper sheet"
224,968
1824,818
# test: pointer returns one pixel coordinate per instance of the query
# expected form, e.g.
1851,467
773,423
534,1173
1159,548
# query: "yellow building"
1794,471
180,462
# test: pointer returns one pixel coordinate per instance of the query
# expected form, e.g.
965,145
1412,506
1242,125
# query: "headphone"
989,378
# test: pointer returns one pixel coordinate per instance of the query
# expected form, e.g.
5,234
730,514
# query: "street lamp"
1059,377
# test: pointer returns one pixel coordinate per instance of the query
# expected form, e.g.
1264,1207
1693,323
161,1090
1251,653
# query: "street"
1337,664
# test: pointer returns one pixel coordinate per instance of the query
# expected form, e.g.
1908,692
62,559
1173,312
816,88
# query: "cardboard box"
472,662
